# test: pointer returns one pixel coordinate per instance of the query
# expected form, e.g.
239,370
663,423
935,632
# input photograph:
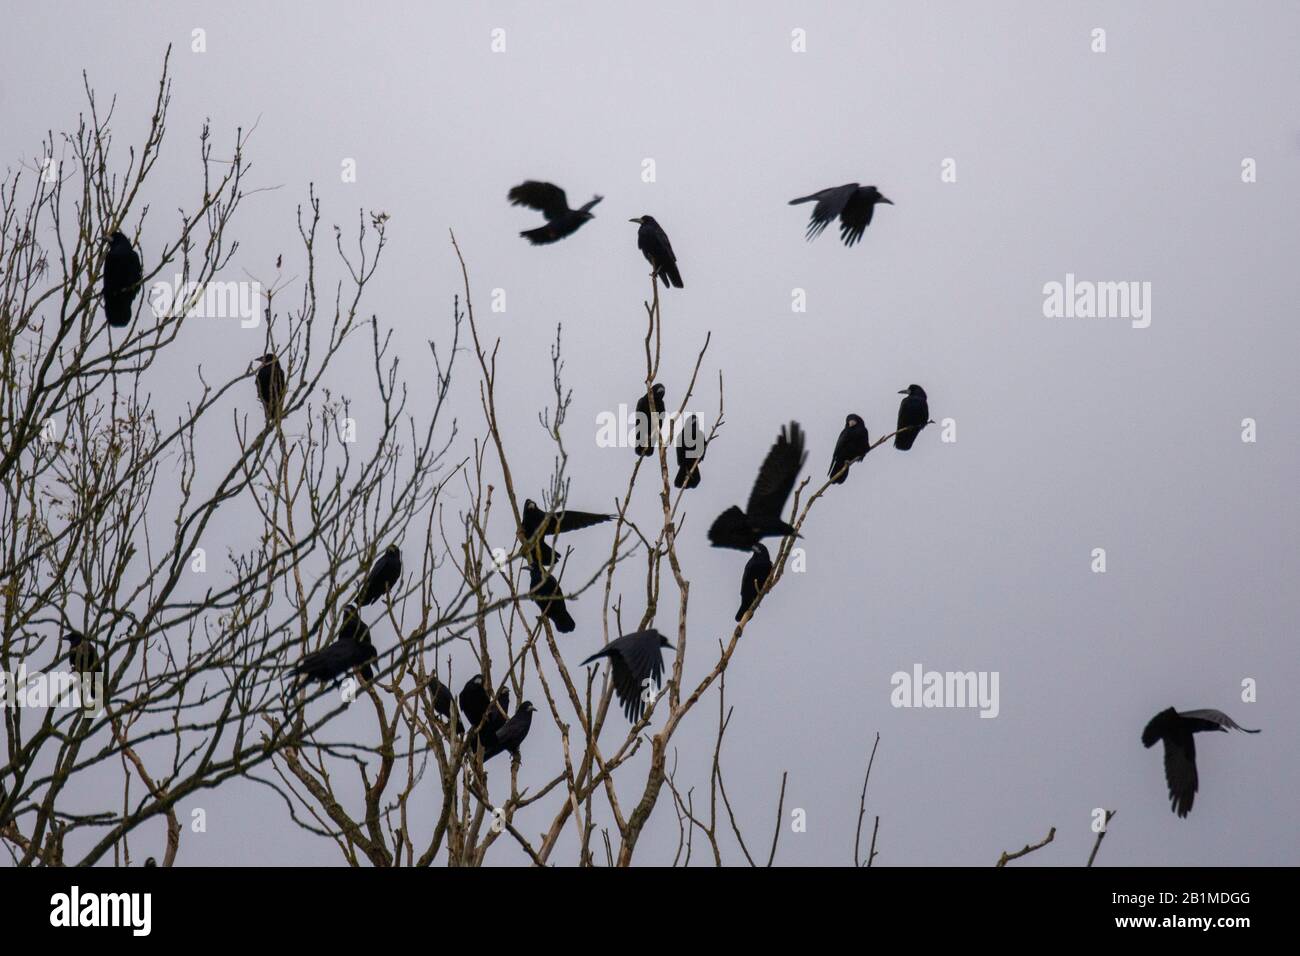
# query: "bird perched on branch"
382,576
270,385
122,275
538,525
853,204
1176,730
440,693
913,415
549,598
649,413
757,570
852,445
82,657
482,716
510,734
690,451
654,245
762,516
351,648
636,661
551,202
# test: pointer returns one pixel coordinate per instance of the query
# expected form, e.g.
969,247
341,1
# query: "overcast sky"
1071,433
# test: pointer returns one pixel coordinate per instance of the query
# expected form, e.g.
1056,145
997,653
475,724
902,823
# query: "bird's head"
526,707
916,391
74,637
853,421
760,548
393,551
878,197
658,391
530,505
117,238
663,642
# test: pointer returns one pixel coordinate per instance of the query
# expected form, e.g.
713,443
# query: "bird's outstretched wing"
574,521
855,217
830,203
779,472
547,198
1180,771
1218,718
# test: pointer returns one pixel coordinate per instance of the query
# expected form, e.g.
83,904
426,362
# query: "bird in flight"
539,525
549,598
350,648
852,445
757,570
913,415
1176,730
690,450
270,385
648,417
762,516
122,275
853,204
636,660
510,734
382,576
550,201
654,245
81,653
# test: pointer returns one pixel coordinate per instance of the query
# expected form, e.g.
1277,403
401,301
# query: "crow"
549,597
510,734
654,245
1176,731
81,653
473,702
913,414
270,386
636,659
442,699
854,205
852,445
480,717
757,570
350,648
690,450
539,525
649,412
762,516
550,201
122,275
382,576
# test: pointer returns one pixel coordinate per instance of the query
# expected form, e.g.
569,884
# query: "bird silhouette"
757,570
648,418
762,516
852,446
551,202
913,414
382,576
538,525
270,386
82,656
549,598
1176,730
509,735
636,660
351,648
853,204
690,450
122,275
654,245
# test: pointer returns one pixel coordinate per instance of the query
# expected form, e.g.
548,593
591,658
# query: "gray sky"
1072,433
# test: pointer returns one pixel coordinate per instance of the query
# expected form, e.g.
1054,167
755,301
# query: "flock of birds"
636,659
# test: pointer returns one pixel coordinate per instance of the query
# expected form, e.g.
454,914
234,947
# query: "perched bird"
473,702
539,525
270,385
550,201
762,516
382,576
549,597
913,414
510,734
442,699
350,648
81,654
1176,731
654,245
480,716
757,570
690,450
635,659
649,413
122,275
852,445
853,204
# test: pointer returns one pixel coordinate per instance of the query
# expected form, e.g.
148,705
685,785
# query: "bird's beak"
886,201
635,220
670,647
902,391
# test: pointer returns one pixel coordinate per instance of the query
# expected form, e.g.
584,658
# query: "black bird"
350,648
854,205
549,597
852,445
913,414
1176,731
442,699
757,569
81,654
550,201
270,385
762,516
510,734
690,449
480,718
648,417
548,523
382,576
634,658
122,275
654,245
